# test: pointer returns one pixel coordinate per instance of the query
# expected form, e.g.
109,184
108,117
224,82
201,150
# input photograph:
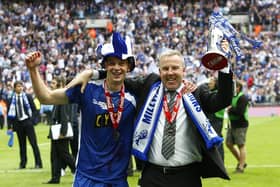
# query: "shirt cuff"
95,74
226,69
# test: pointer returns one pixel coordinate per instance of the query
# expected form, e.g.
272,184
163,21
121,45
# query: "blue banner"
231,34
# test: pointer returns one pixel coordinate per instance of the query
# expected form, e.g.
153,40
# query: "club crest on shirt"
207,127
101,104
140,136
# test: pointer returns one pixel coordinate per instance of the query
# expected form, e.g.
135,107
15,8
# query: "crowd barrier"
264,111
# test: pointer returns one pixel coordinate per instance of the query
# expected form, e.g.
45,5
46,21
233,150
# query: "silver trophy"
215,57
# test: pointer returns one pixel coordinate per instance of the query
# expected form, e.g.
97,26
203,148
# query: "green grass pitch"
262,157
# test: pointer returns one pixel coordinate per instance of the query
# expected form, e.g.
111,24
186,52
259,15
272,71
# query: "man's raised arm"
43,93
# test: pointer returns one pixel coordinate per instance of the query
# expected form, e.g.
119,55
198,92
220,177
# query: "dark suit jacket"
212,164
61,114
13,122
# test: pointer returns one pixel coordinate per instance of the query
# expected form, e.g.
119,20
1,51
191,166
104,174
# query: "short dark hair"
17,82
60,81
69,78
239,84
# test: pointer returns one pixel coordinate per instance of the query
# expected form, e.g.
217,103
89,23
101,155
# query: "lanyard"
171,115
114,116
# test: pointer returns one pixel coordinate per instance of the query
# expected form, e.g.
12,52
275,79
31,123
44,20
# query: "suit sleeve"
140,85
32,106
64,118
9,121
212,102
102,74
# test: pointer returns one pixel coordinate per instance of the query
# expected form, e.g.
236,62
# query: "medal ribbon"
115,117
171,115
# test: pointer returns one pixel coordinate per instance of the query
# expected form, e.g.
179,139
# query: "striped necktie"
19,106
168,140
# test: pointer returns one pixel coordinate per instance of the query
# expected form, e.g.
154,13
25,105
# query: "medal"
116,135
170,130
114,116
171,115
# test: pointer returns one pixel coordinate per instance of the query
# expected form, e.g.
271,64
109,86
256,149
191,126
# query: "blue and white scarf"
11,138
26,105
231,34
147,120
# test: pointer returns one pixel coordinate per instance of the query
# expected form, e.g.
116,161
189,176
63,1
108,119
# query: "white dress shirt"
186,144
24,115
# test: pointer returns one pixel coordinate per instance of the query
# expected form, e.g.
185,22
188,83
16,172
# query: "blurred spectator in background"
60,155
57,28
75,121
37,117
21,110
217,118
238,126
3,112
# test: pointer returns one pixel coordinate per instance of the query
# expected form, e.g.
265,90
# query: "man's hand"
33,59
189,87
225,45
81,78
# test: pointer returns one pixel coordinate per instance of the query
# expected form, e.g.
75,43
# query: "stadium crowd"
68,46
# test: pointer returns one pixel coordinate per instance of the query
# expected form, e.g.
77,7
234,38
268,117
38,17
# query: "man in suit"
20,119
190,159
60,155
